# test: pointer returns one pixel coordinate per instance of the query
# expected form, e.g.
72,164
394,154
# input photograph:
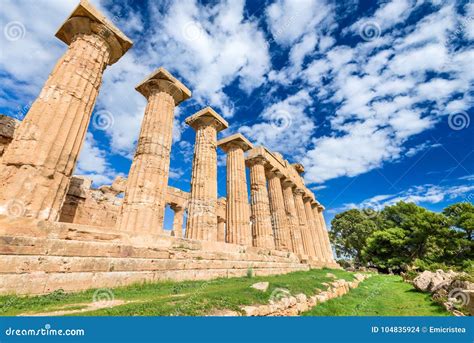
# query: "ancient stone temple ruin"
57,232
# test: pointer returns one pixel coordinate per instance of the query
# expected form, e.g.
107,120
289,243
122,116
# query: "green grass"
177,298
381,295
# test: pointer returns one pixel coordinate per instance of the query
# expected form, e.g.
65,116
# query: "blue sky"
373,97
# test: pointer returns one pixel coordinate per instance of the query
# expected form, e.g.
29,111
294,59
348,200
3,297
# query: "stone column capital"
286,183
299,191
298,167
162,81
207,117
258,160
85,19
237,141
307,198
272,172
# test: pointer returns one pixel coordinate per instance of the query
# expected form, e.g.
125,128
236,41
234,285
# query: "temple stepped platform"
38,257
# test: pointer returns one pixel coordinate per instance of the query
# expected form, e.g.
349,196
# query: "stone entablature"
275,162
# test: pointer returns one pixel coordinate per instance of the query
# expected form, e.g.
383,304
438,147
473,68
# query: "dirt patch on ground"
97,305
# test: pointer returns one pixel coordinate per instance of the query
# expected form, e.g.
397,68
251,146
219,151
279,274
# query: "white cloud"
211,47
92,162
421,147
286,127
290,20
388,15
421,194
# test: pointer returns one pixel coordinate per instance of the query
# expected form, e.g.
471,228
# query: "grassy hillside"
379,295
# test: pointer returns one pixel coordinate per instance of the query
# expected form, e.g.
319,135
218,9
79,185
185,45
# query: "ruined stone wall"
100,207
88,206
7,129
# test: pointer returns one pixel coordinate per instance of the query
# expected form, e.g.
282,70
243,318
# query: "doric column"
144,202
293,222
319,232
306,236
262,233
202,217
221,229
177,221
36,168
280,223
330,256
313,229
237,209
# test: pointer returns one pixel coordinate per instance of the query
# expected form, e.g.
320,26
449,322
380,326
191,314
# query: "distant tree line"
405,235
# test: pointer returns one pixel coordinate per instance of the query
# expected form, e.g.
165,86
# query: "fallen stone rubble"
450,288
283,303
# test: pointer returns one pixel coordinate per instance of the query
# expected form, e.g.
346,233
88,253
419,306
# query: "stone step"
49,264
57,247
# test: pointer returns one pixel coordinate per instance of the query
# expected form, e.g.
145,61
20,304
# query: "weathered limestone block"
292,215
88,206
36,167
262,232
238,209
280,223
145,194
202,217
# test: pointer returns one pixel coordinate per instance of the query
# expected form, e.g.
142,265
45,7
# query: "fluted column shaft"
320,234
313,230
144,202
238,210
261,218
36,167
290,208
280,223
306,236
327,243
202,217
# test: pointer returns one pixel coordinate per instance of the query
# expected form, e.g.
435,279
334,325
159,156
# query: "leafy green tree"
349,231
461,216
424,230
386,248
406,234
